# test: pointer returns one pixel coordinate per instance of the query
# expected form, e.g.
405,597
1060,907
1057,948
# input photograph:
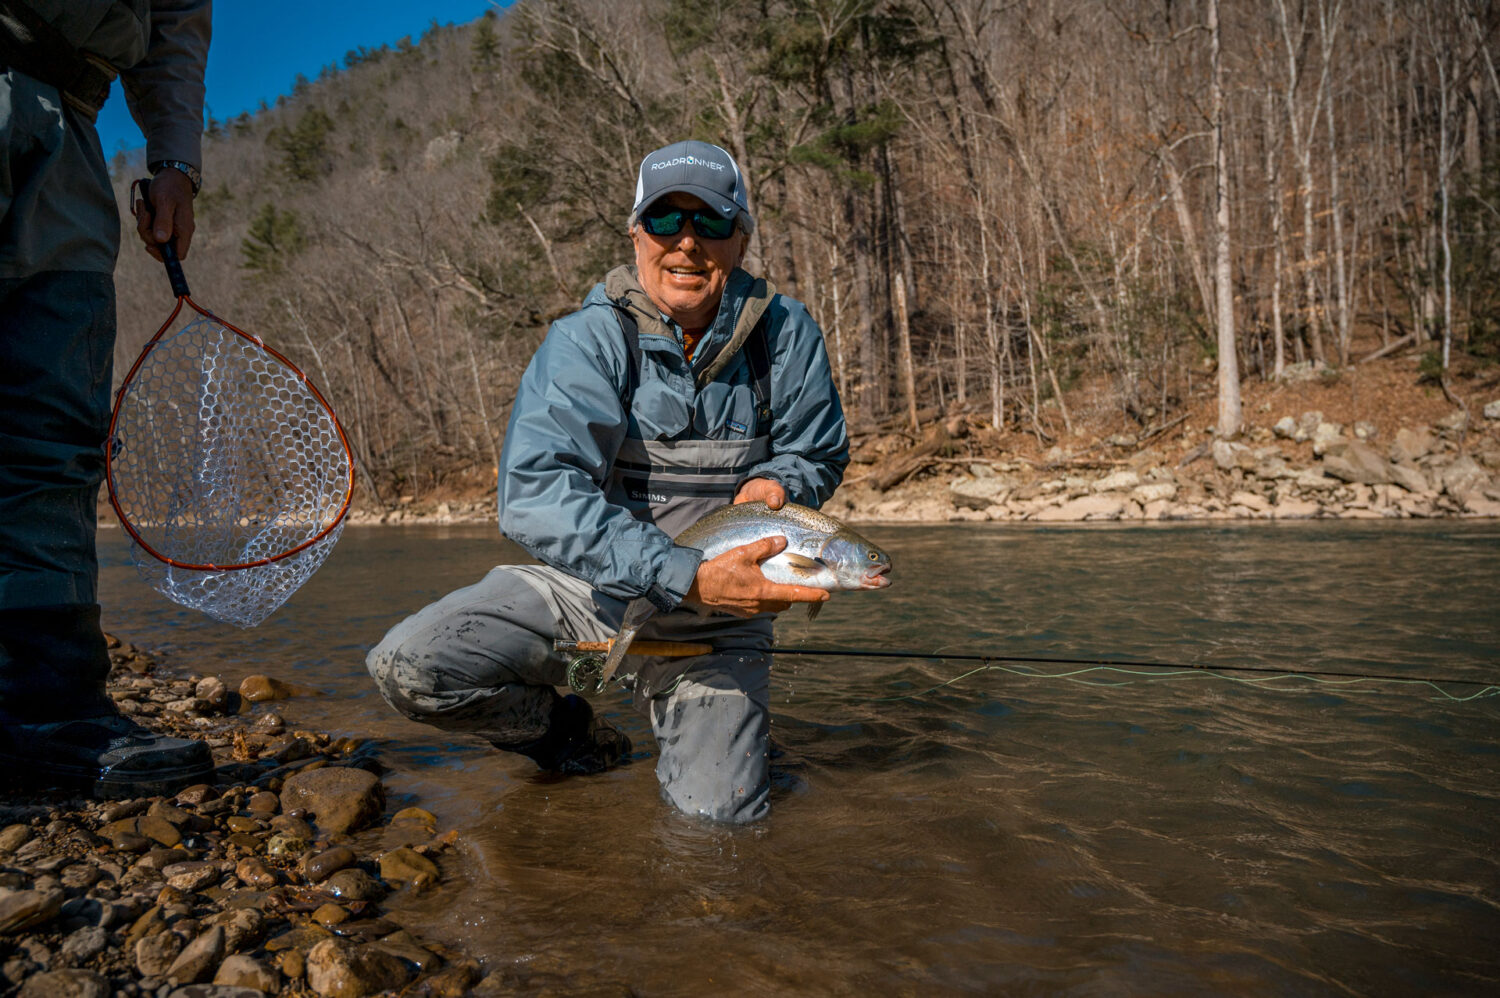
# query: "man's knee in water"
714,748
404,682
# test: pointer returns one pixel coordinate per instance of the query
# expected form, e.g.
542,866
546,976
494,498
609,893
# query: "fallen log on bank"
899,467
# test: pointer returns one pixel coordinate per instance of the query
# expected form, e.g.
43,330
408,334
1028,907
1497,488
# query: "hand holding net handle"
168,249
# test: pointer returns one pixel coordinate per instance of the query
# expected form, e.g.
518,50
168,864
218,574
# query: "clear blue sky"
259,47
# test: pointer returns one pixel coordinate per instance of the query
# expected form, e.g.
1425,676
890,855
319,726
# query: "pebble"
329,915
264,802
253,873
318,867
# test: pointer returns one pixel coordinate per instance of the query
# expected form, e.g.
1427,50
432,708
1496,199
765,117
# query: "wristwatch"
187,169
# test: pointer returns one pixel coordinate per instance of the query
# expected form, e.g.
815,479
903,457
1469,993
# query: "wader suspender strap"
757,352
32,46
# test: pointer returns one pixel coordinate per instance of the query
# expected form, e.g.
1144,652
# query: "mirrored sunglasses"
668,221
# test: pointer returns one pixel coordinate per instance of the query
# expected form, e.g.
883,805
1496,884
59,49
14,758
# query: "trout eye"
874,556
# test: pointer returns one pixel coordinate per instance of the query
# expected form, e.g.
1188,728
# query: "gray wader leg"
478,660
713,730
57,333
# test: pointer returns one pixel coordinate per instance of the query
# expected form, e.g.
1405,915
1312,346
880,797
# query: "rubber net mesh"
222,455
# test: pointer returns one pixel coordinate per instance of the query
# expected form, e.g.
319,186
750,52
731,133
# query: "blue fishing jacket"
558,487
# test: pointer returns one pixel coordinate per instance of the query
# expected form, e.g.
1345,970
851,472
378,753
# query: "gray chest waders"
673,483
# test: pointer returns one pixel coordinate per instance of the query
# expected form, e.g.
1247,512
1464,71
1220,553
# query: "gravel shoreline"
253,884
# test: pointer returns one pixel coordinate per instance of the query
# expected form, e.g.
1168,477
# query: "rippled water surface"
1000,834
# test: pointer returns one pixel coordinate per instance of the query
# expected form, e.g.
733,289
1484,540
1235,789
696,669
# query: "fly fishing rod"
585,651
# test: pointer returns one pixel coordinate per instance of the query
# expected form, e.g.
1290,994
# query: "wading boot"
58,729
106,756
578,742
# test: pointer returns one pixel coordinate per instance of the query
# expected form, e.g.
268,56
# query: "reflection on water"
1000,834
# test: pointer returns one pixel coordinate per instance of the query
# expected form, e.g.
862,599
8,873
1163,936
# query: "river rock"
1492,409
1120,481
243,927
1353,461
406,865
1411,445
242,971
414,815
1311,480
318,867
191,876
1325,436
1295,509
1094,507
1153,492
155,953
978,493
13,838
452,982
341,799
354,885
1409,478
1229,455
212,691
1250,501
1285,428
85,944
1464,476
253,872
22,910
199,959
264,802
158,829
259,688
66,984
338,969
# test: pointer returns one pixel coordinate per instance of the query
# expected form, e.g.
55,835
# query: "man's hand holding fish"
734,583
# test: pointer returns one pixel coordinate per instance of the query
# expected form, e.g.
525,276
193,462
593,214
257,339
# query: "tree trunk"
1229,368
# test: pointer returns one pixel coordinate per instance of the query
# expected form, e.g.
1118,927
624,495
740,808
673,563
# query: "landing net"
229,471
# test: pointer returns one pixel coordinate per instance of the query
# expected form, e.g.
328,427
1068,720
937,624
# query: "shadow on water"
1000,833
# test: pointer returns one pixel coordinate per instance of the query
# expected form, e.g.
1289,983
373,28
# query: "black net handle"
168,249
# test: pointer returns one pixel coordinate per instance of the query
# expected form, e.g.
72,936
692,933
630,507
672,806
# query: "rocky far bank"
254,884
1300,467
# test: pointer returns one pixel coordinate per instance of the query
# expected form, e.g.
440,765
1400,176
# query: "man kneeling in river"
682,384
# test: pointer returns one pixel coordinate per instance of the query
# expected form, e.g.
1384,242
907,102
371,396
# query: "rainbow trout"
820,553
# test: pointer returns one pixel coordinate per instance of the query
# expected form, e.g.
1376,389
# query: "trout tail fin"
637,612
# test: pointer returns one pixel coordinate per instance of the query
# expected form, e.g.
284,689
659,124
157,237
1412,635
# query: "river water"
1000,834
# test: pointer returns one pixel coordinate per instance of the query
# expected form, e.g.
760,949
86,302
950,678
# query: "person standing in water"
681,384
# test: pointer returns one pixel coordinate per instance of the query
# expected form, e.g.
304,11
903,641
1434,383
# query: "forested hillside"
984,203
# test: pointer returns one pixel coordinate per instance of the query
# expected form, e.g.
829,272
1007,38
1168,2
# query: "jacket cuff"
676,578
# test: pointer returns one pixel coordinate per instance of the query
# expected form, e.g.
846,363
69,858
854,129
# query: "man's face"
683,274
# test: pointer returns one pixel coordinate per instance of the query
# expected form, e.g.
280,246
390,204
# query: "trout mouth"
876,578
